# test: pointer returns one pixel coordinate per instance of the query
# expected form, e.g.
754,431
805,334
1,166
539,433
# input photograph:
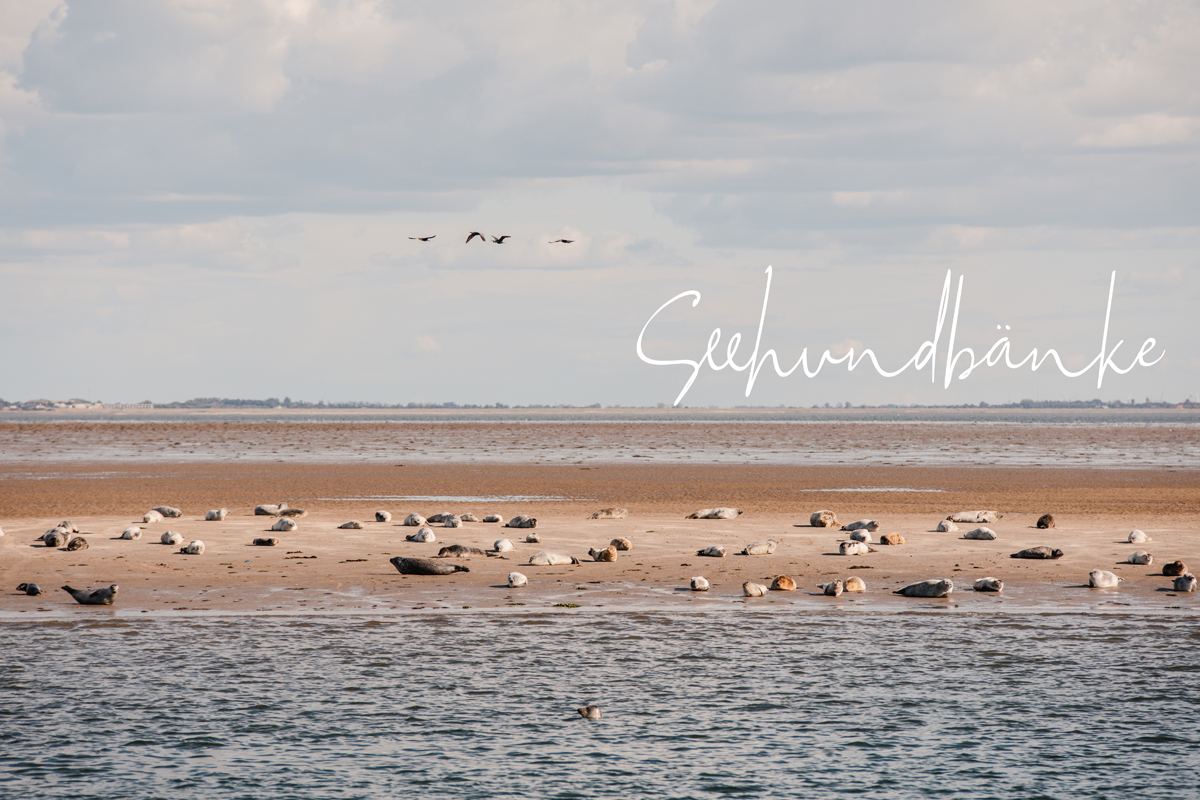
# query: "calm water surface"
695,705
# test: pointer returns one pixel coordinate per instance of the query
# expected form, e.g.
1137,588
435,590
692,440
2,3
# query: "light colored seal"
833,588
855,584
612,512
1041,551
548,559
607,554
721,512
860,536
823,519
783,583
503,545
1185,583
268,510
892,539
284,524
55,537
930,588
460,551
521,521
988,585
293,513
468,517
216,514
68,526
533,537
425,534
493,518
132,532
752,589
589,712
1044,521
352,525
151,516
1103,579
424,566
168,511
266,541
760,548
194,548
452,521
1138,537
93,597
621,543
870,525
517,580
980,533
712,551
78,543
414,521
171,537
699,584
438,518
975,517
383,516
1174,568
946,526
853,548
31,589
1140,557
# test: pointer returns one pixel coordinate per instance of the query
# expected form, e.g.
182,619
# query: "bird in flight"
482,238
423,238
564,241
500,239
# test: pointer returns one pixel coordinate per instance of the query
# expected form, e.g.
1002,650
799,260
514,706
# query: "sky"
215,197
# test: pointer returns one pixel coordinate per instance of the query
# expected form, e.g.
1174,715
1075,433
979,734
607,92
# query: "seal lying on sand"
988,585
521,521
533,538
712,551
1103,579
216,515
760,548
946,526
862,525
93,597
425,534
169,511
31,589
503,545
266,541
699,584
892,538
424,566
832,589
268,510
612,512
607,554
974,516
980,533
439,518
1041,551
152,516
383,516
783,583
352,525
1185,583
517,580
721,512
195,548
452,521
493,518
171,537
548,559
414,521
823,519
284,524
751,589
621,543
468,517
1174,568
78,543
132,532
1140,557
1137,537
930,588
54,538
860,536
1045,521
854,548
461,551
855,584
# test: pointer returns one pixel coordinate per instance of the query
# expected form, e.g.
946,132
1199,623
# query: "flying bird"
423,238
564,241
500,239
482,238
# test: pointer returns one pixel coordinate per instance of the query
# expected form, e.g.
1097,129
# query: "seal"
760,548
31,589
854,548
503,545
930,588
383,516
980,533
1140,557
268,510
55,537
548,559
78,543
988,585
216,515
823,519
1185,583
860,536
621,543
171,537
169,511
533,538
194,548
589,712
352,525
452,521
424,566
1137,537
751,589
721,512
1174,568
974,516
493,518
607,554
1041,551
93,597
468,517
612,512
855,584
284,524
521,521
1044,521
439,518
946,526
293,513
783,583
832,589
414,521
870,525
712,551
460,551
517,580
269,541
699,584
132,532
892,538
151,516
422,535
1103,579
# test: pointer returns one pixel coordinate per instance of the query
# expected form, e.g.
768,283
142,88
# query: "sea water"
695,705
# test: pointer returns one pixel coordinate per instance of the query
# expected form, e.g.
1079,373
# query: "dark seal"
424,566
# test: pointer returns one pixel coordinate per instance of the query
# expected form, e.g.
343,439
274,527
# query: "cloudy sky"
214,197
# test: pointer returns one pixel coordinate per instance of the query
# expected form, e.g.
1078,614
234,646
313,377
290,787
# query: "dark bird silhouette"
500,239
564,241
424,238
482,238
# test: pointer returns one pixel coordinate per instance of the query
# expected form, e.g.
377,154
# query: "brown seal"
1046,521
1174,568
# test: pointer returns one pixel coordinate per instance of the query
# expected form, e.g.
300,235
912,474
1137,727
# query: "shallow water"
481,705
